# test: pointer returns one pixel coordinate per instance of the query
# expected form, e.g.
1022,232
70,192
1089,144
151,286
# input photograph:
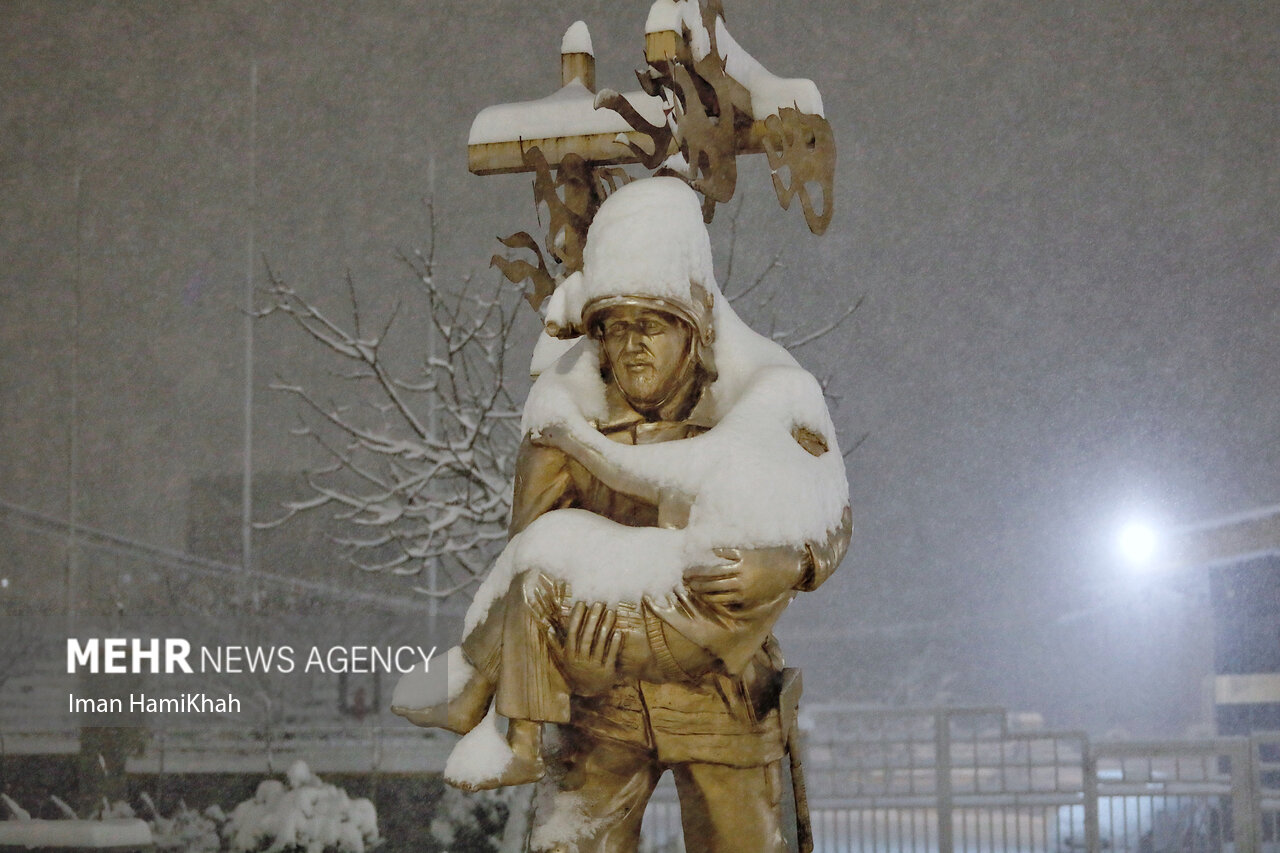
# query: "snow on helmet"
649,246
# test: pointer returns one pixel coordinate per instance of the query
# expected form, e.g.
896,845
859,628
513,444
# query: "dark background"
1063,218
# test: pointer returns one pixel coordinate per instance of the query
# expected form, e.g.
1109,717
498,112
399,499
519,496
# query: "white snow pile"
115,829
472,821
119,810
641,560
569,544
482,754
769,93
569,111
304,815
577,39
116,825
122,833
186,830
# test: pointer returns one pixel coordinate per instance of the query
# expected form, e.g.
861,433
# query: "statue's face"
647,350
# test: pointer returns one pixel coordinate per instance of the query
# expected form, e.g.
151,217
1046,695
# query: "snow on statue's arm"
766,475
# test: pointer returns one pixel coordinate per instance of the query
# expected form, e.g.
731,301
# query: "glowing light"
1138,542
4,583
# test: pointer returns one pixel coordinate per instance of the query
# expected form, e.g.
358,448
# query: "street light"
1230,539
1138,543
1242,556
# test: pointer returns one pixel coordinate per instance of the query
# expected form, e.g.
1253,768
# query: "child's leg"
481,651
530,683
511,656
460,714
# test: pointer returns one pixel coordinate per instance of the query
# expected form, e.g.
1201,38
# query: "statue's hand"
589,654
747,578
557,435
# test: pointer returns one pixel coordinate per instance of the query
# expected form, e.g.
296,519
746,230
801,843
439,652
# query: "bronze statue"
687,441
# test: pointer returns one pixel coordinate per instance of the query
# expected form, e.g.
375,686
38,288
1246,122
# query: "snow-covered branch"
417,460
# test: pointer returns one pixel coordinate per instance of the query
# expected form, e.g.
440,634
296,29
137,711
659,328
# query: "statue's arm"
823,557
742,579
542,483
731,604
602,458
746,578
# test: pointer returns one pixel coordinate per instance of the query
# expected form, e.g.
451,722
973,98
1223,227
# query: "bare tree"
419,462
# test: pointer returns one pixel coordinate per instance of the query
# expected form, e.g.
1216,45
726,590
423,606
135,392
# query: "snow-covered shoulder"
769,472
569,389
773,473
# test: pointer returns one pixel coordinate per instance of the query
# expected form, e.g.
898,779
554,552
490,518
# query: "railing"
958,780
1176,795
1266,763
879,781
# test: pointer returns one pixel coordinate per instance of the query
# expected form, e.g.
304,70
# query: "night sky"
1062,219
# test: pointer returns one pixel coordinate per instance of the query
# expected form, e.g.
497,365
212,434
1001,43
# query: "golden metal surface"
688,682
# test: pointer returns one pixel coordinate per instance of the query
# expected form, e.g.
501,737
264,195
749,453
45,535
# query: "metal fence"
963,780
879,781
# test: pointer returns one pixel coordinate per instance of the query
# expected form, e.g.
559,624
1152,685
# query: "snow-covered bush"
185,831
471,822
105,811
304,815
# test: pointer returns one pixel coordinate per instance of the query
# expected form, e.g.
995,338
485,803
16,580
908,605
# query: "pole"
433,416
246,484
1091,827
1245,816
942,769
73,430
